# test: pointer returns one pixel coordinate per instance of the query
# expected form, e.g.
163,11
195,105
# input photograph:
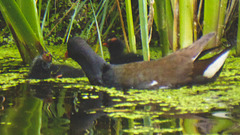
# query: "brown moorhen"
42,68
182,67
117,55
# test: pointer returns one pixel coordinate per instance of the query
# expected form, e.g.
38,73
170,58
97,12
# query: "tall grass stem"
131,33
144,28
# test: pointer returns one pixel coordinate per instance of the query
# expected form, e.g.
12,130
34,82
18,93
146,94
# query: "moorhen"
42,68
117,55
182,67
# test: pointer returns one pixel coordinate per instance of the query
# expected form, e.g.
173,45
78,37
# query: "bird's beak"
66,55
113,39
105,44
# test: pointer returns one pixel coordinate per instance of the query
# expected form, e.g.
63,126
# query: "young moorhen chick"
117,55
42,68
182,67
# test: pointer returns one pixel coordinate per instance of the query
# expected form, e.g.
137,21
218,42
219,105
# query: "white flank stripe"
154,82
215,66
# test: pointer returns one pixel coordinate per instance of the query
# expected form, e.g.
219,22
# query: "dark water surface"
72,106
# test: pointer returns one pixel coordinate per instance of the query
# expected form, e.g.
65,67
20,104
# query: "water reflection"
2,100
50,108
206,124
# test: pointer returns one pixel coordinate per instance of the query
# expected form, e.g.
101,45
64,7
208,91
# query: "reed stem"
131,34
185,22
144,28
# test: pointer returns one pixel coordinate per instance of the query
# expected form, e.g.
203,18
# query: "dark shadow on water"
50,108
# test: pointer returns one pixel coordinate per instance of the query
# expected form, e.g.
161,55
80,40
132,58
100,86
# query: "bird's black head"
115,46
77,48
40,68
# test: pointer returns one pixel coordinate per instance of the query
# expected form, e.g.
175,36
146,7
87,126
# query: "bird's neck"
92,66
117,53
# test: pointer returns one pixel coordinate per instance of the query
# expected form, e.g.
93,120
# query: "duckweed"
222,94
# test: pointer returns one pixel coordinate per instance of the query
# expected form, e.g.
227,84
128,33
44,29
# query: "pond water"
72,106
